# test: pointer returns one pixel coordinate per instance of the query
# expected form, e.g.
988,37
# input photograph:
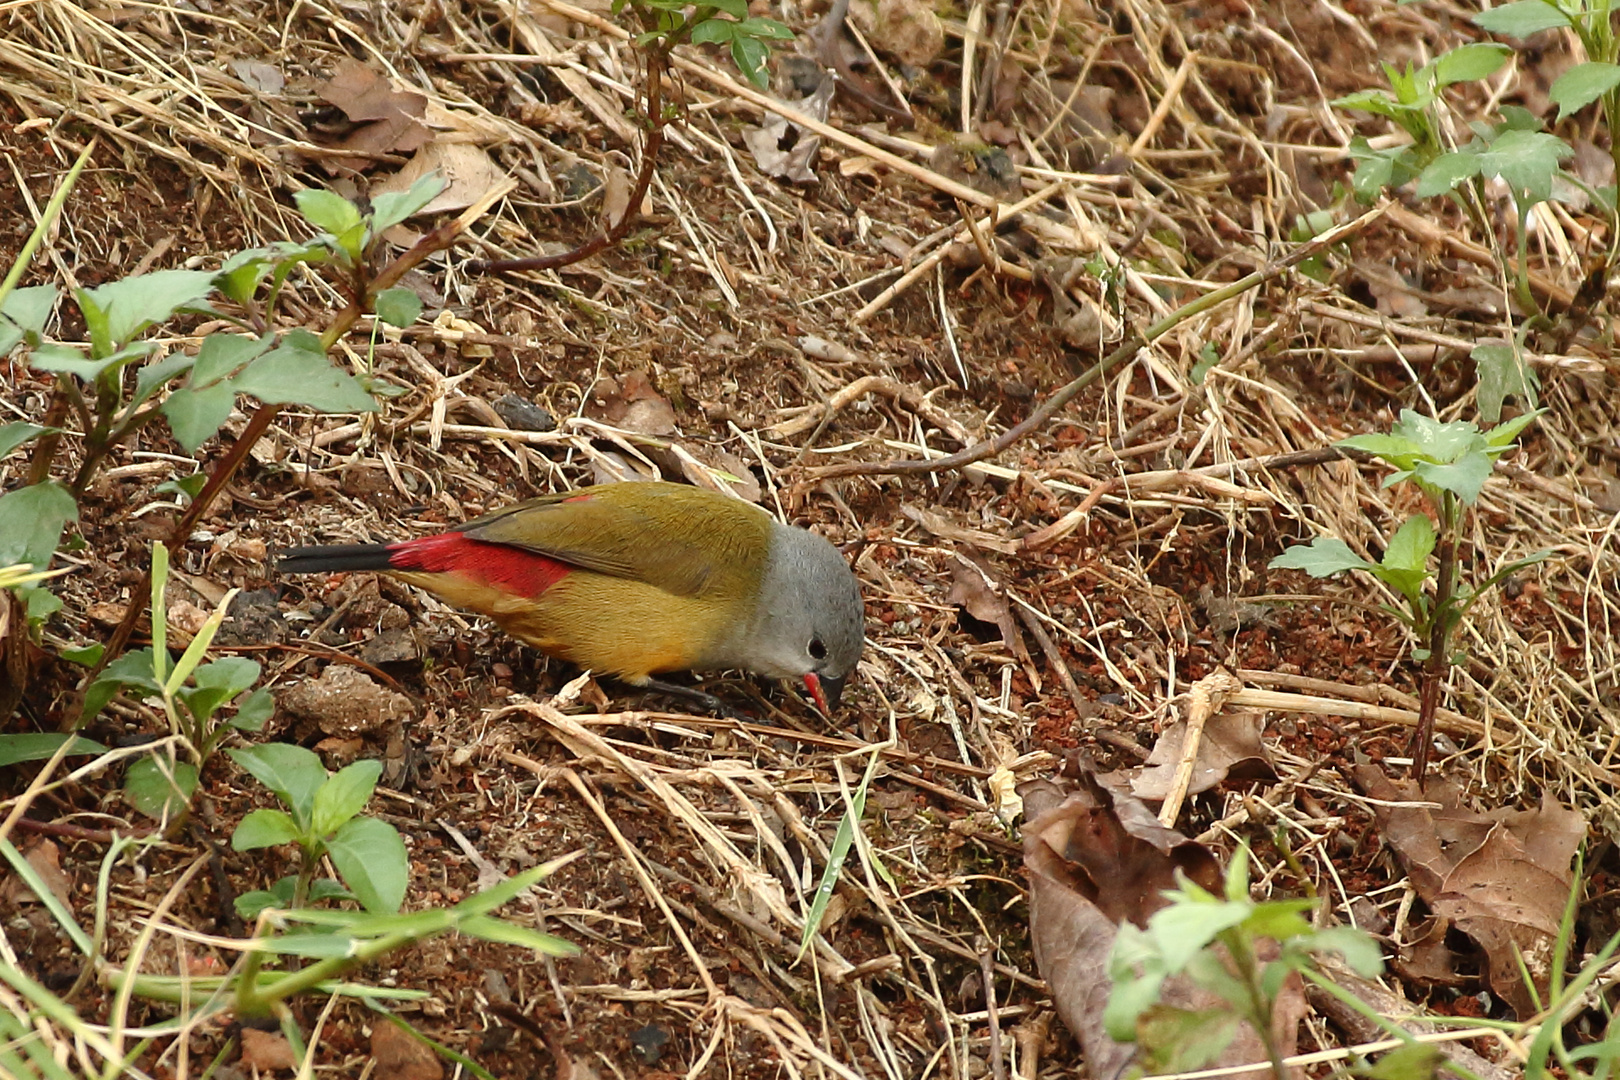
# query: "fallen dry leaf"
267,1050
1501,876
46,859
1095,858
401,1057
1229,749
784,150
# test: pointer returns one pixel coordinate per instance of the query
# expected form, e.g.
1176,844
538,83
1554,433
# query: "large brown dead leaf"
1095,858
1229,748
1501,876
388,119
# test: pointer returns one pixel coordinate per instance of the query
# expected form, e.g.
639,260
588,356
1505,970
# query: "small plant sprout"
1449,463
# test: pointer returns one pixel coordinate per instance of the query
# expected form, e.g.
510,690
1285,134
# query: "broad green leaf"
1527,161
24,316
1373,101
1501,374
39,604
398,306
1469,62
1522,18
195,416
344,795
1410,547
132,669
1183,930
391,208
750,55
1322,557
160,790
233,674
1583,84
202,701
1464,479
135,303
737,9
714,31
70,361
15,434
264,828
327,210
151,377
239,278
765,29
221,354
1409,1061
371,859
1184,1040
1437,440
1279,919
254,711
40,746
1360,949
249,904
31,523
1446,172
297,372
85,656
292,772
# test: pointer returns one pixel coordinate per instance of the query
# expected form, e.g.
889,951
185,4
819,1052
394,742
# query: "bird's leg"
703,700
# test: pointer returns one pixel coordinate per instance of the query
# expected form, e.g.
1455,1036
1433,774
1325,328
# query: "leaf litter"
864,302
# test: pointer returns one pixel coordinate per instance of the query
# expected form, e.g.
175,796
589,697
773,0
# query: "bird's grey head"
809,622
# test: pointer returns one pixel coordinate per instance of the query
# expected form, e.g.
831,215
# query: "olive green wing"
681,539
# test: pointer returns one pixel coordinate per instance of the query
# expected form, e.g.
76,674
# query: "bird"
640,578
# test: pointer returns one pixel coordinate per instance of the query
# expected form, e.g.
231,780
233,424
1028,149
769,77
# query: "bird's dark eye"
818,651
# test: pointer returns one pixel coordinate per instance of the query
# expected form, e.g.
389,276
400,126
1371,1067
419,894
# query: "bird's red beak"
825,692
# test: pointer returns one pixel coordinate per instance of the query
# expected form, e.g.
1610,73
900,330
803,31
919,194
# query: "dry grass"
798,329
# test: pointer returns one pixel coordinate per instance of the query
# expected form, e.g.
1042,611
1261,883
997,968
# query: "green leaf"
1322,557
737,9
292,772
371,859
1446,172
765,29
249,904
189,486
505,933
238,279
391,208
221,354
31,523
202,702
1527,161
1410,547
232,674
132,669
1464,479
398,306
1279,919
344,795
714,31
254,711
1360,949
1470,62
86,656
750,55
40,746
1583,84
327,210
24,315
1183,1040
1500,438
1522,18
160,790
70,361
135,303
1501,373
39,604
297,372
15,434
1182,930
265,828
151,377
195,416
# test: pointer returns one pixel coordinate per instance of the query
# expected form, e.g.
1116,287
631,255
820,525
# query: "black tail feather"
332,559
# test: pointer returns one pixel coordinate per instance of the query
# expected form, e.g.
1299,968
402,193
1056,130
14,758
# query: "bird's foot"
707,702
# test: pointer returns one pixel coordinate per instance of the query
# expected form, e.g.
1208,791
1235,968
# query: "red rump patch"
510,569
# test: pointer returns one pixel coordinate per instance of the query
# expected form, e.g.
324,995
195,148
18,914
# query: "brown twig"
1133,342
